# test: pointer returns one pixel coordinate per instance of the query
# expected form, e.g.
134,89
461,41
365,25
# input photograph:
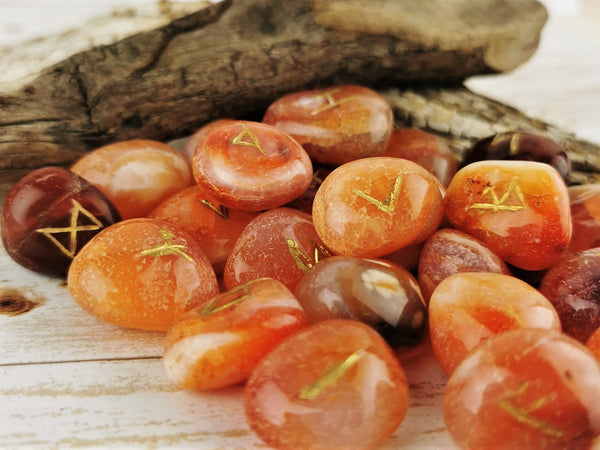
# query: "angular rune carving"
72,229
499,203
331,102
167,248
247,138
389,203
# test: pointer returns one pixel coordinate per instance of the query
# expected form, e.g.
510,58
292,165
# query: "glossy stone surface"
520,146
136,175
189,147
585,214
525,389
335,125
49,215
467,308
215,227
573,287
141,273
519,209
251,166
428,150
280,243
305,202
380,294
374,206
335,384
219,342
593,343
449,251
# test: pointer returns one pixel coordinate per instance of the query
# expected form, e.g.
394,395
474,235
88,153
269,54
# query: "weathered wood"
234,57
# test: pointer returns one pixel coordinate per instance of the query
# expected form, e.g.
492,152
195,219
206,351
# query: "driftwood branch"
233,58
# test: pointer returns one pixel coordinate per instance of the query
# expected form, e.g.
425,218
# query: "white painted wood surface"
69,381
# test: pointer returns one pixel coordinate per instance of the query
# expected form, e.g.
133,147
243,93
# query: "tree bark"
235,57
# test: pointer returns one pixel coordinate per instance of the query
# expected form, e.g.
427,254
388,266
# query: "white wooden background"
69,381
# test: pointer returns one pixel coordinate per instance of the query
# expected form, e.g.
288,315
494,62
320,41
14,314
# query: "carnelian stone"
141,273
449,251
467,308
189,147
572,286
585,214
428,150
251,166
335,125
374,206
213,225
49,215
280,243
519,209
378,293
219,342
525,389
304,203
335,384
593,343
136,175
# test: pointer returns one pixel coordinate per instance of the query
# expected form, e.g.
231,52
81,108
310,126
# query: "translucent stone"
280,243
49,215
141,273
136,175
572,286
585,214
218,343
189,147
525,389
519,209
215,227
467,308
449,251
380,294
335,384
372,207
335,125
251,166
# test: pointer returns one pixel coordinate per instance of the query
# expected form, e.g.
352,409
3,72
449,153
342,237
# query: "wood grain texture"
234,57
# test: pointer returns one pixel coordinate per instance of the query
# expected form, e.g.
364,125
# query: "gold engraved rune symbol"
167,248
498,204
221,211
72,229
331,102
212,308
389,203
247,138
302,259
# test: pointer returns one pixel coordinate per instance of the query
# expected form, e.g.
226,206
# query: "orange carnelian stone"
214,226
219,342
335,384
141,273
525,389
251,166
280,243
585,214
135,175
372,207
593,343
449,251
335,125
426,149
467,308
189,147
519,209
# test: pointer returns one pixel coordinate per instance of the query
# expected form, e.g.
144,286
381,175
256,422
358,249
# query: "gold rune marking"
167,248
524,416
301,257
389,203
497,204
221,211
247,138
212,308
330,377
331,102
72,229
